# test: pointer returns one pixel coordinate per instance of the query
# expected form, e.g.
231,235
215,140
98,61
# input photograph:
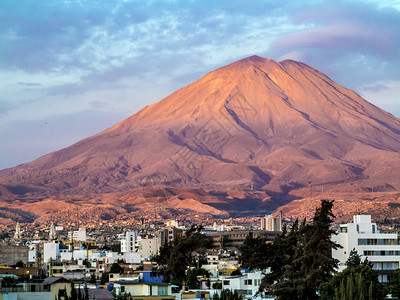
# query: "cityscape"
199,150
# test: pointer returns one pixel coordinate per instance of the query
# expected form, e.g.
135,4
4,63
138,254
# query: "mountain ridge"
256,123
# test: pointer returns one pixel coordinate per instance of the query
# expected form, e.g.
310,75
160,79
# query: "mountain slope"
254,123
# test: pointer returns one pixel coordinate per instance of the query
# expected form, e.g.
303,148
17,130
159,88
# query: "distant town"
73,260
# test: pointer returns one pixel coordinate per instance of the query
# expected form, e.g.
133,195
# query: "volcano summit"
255,125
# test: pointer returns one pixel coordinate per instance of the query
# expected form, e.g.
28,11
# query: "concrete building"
382,249
246,284
271,224
234,239
51,251
148,247
168,234
11,254
77,235
128,241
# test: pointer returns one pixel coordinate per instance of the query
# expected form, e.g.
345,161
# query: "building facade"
382,249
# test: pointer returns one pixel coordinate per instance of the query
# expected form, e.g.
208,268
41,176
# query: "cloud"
74,56
29,83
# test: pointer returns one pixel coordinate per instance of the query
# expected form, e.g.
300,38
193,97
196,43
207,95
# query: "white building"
128,241
246,285
78,235
148,247
51,251
271,223
382,249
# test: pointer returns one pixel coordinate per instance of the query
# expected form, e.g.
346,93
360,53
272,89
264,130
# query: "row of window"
381,253
377,242
257,282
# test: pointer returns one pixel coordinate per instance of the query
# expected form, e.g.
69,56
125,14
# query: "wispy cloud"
71,56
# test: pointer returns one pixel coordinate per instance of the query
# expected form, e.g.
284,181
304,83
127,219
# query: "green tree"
192,275
116,247
236,272
354,283
93,278
74,295
9,281
79,294
395,284
255,252
228,295
104,278
301,259
354,259
116,268
19,264
86,296
185,251
224,241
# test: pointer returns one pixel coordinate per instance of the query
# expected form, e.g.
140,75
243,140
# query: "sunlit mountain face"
249,136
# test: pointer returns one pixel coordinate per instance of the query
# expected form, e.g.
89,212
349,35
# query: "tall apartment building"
271,223
383,250
128,241
168,234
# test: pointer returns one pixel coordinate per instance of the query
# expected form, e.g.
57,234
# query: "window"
162,290
248,282
226,282
122,289
373,228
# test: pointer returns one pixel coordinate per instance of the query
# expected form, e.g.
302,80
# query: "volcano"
253,125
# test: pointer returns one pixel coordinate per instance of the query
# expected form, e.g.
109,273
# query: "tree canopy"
255,253
185,251
301,258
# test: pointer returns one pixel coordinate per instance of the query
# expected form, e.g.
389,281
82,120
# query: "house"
39,289
246,284
382,249
144,290
58,286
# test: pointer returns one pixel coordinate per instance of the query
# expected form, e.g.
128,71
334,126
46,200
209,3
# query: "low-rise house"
144,290
38,289
246,284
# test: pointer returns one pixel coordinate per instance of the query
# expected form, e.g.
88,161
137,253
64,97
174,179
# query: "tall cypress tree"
302,257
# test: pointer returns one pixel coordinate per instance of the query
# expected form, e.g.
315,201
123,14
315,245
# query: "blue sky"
69,69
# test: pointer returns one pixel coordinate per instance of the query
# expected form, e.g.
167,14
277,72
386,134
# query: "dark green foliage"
104,278
19,264
360,282
236,272
92,278
74,295
395,284
116,268
255,253
9,282
354,259
79,294
185,251
86,297
224,242
228,295
192,274
301,259
116,247
217,285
